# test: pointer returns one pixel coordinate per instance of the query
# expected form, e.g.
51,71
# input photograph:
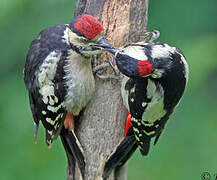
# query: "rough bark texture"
101,127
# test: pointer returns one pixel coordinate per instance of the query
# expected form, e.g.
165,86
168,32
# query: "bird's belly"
80,84
79,94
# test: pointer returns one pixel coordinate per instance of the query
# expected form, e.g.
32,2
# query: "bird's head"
155,60
87,35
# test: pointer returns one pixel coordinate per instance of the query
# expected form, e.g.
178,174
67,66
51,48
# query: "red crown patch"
89,26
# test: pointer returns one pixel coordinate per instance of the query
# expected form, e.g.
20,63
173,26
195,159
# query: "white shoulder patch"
48,68
155,109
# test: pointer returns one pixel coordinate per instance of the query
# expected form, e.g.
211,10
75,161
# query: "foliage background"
187,147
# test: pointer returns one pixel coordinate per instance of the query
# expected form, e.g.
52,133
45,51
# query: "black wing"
43,76
141,103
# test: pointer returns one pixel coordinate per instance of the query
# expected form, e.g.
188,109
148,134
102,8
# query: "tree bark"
101,126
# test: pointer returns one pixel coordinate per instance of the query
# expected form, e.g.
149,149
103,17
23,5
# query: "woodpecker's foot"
146,37
69,122
115,70
155,34
115,76
110,76
100,67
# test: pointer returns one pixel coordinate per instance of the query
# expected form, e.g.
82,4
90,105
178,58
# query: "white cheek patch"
159,51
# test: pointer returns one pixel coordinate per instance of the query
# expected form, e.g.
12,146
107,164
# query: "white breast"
80,83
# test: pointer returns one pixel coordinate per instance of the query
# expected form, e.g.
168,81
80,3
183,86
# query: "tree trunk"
102,124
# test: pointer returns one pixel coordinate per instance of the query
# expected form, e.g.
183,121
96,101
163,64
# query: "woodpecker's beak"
103,43
112,50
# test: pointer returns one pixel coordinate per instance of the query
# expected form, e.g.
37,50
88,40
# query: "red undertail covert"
128,124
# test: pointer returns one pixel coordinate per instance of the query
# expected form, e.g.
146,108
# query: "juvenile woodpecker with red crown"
59,79
155,78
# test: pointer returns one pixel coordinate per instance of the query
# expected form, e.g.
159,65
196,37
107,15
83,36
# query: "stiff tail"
70,157
145,147
124,160
120,155
73,150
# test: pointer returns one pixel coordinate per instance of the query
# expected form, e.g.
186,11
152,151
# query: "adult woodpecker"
155,78
59,79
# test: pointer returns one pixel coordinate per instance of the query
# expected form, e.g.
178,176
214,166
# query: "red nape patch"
128,124
145,68
89,26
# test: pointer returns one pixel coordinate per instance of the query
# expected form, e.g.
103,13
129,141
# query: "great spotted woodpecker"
59,79
155,78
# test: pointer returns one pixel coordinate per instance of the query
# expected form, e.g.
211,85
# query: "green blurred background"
187,147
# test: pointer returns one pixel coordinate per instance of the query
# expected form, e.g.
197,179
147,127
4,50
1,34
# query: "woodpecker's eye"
84,40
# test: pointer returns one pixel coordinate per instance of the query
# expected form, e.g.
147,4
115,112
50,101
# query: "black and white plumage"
59,79
155,78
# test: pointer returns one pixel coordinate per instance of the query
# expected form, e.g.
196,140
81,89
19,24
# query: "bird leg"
104,66
100,67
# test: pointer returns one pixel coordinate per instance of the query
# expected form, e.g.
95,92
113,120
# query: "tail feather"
70,157
124,160
120,155
76,153
145,147
36,125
